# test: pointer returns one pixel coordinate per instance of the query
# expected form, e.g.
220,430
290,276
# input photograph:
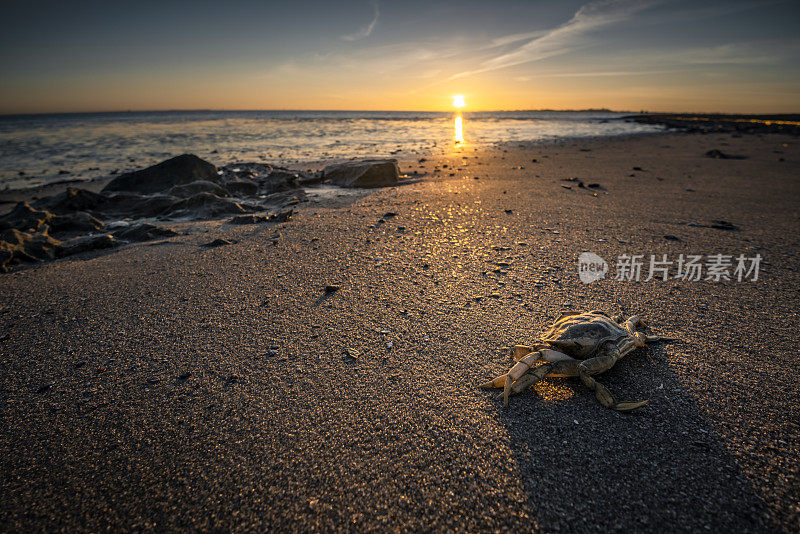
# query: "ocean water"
41,149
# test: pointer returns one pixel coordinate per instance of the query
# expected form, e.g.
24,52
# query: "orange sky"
624,55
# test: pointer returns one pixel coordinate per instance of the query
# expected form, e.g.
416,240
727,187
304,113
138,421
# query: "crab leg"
562,368
525,373
597,365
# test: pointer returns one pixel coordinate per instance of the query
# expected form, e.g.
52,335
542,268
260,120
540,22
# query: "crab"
579,344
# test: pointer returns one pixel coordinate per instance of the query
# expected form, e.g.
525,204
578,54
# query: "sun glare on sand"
458,101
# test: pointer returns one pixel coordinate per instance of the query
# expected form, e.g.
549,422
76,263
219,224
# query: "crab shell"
581,335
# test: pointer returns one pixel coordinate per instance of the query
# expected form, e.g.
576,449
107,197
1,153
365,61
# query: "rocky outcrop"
143,232
200,186
26,218
366,173
85,243
179,170
242,188
72,222
206,206
18,247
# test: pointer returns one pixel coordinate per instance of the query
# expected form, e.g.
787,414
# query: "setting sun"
458,101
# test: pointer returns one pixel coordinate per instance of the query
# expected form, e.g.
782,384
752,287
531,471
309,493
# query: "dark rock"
670,237
205,205
218,243
242,188
282,216
136,206
366,173
200,186
280,180
248,219
71,200
179,170
87,243
143,232
25,218
24,247
723,225
76,222
331,288
718,154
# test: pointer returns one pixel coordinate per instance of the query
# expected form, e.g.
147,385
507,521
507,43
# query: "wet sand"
166,385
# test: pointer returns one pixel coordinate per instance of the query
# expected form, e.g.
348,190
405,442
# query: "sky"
736,56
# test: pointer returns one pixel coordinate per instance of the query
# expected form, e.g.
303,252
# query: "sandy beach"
165,385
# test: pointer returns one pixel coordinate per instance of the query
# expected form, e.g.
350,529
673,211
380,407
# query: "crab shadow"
659,468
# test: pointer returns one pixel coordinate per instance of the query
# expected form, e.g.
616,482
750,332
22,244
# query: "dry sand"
170,386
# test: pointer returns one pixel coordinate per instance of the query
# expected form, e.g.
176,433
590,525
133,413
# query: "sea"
37,150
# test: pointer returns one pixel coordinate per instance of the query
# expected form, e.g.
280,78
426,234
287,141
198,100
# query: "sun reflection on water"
459,131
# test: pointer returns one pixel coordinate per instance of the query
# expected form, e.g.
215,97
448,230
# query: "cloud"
565,38
364,31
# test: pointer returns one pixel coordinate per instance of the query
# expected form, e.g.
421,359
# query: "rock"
366,173
670,237
206,206
71,200
76,222
87,243
25,218
18,247
242,188
248,219
723,225
279,180
136,206
200,186
179,170
218,243
144,232
332,288
718,154
282,216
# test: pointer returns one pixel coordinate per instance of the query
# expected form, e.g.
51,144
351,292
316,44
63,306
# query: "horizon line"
290,110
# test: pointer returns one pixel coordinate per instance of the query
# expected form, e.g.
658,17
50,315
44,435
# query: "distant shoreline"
707,123
628,113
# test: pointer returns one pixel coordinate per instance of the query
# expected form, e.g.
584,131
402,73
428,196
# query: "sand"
167,385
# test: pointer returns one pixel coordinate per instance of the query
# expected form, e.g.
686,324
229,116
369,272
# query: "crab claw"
628,406
498,382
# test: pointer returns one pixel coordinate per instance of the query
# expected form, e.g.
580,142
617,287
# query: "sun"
458,101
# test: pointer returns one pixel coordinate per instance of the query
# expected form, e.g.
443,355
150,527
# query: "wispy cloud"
564,38
364,31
